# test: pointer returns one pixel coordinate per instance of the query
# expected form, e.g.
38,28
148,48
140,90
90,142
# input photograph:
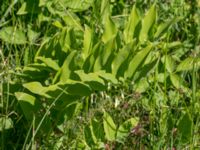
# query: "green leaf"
13,35
137,61
185,128
176,81
109,127
89,136
75,88
104,55
142,85
32,35
93,79
87,43
147,23
49,62
105,10
5,123
65,71
169,62
36,71
162,28
36,88
185,65
29,6
71,19
98,130
121,57
22,10
130,27
107,76
125,128
110,30
28,104
77,5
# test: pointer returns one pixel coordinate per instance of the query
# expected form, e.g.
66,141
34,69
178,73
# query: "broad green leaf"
71,19
27,103
94,60
109,49
137,61
110,30
13,35
109,127
175,44
89,135
67,39
142,85
87,41
58,24
29,6
77,5
66,69
176,80
5,124
32,35
162,28
104,55
94,81
89,63
169,63
121,57
146,70
185,128
22,10
51,48
107,76
185,65
131,25
36,88
49,62
98,130
75,88
125,128
36,71
44,49
147,23
105,10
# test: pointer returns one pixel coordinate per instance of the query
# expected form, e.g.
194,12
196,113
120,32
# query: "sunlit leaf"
95,82
49,62
131,25
75,88
77,5
5,124
185,65
36,88
137,60
27,103
107,76
13,35
176,80
110,30
87,41
147,23
109,127
162,28
169,63
125,128
65,71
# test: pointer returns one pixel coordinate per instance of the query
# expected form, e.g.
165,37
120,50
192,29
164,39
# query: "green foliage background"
90,74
